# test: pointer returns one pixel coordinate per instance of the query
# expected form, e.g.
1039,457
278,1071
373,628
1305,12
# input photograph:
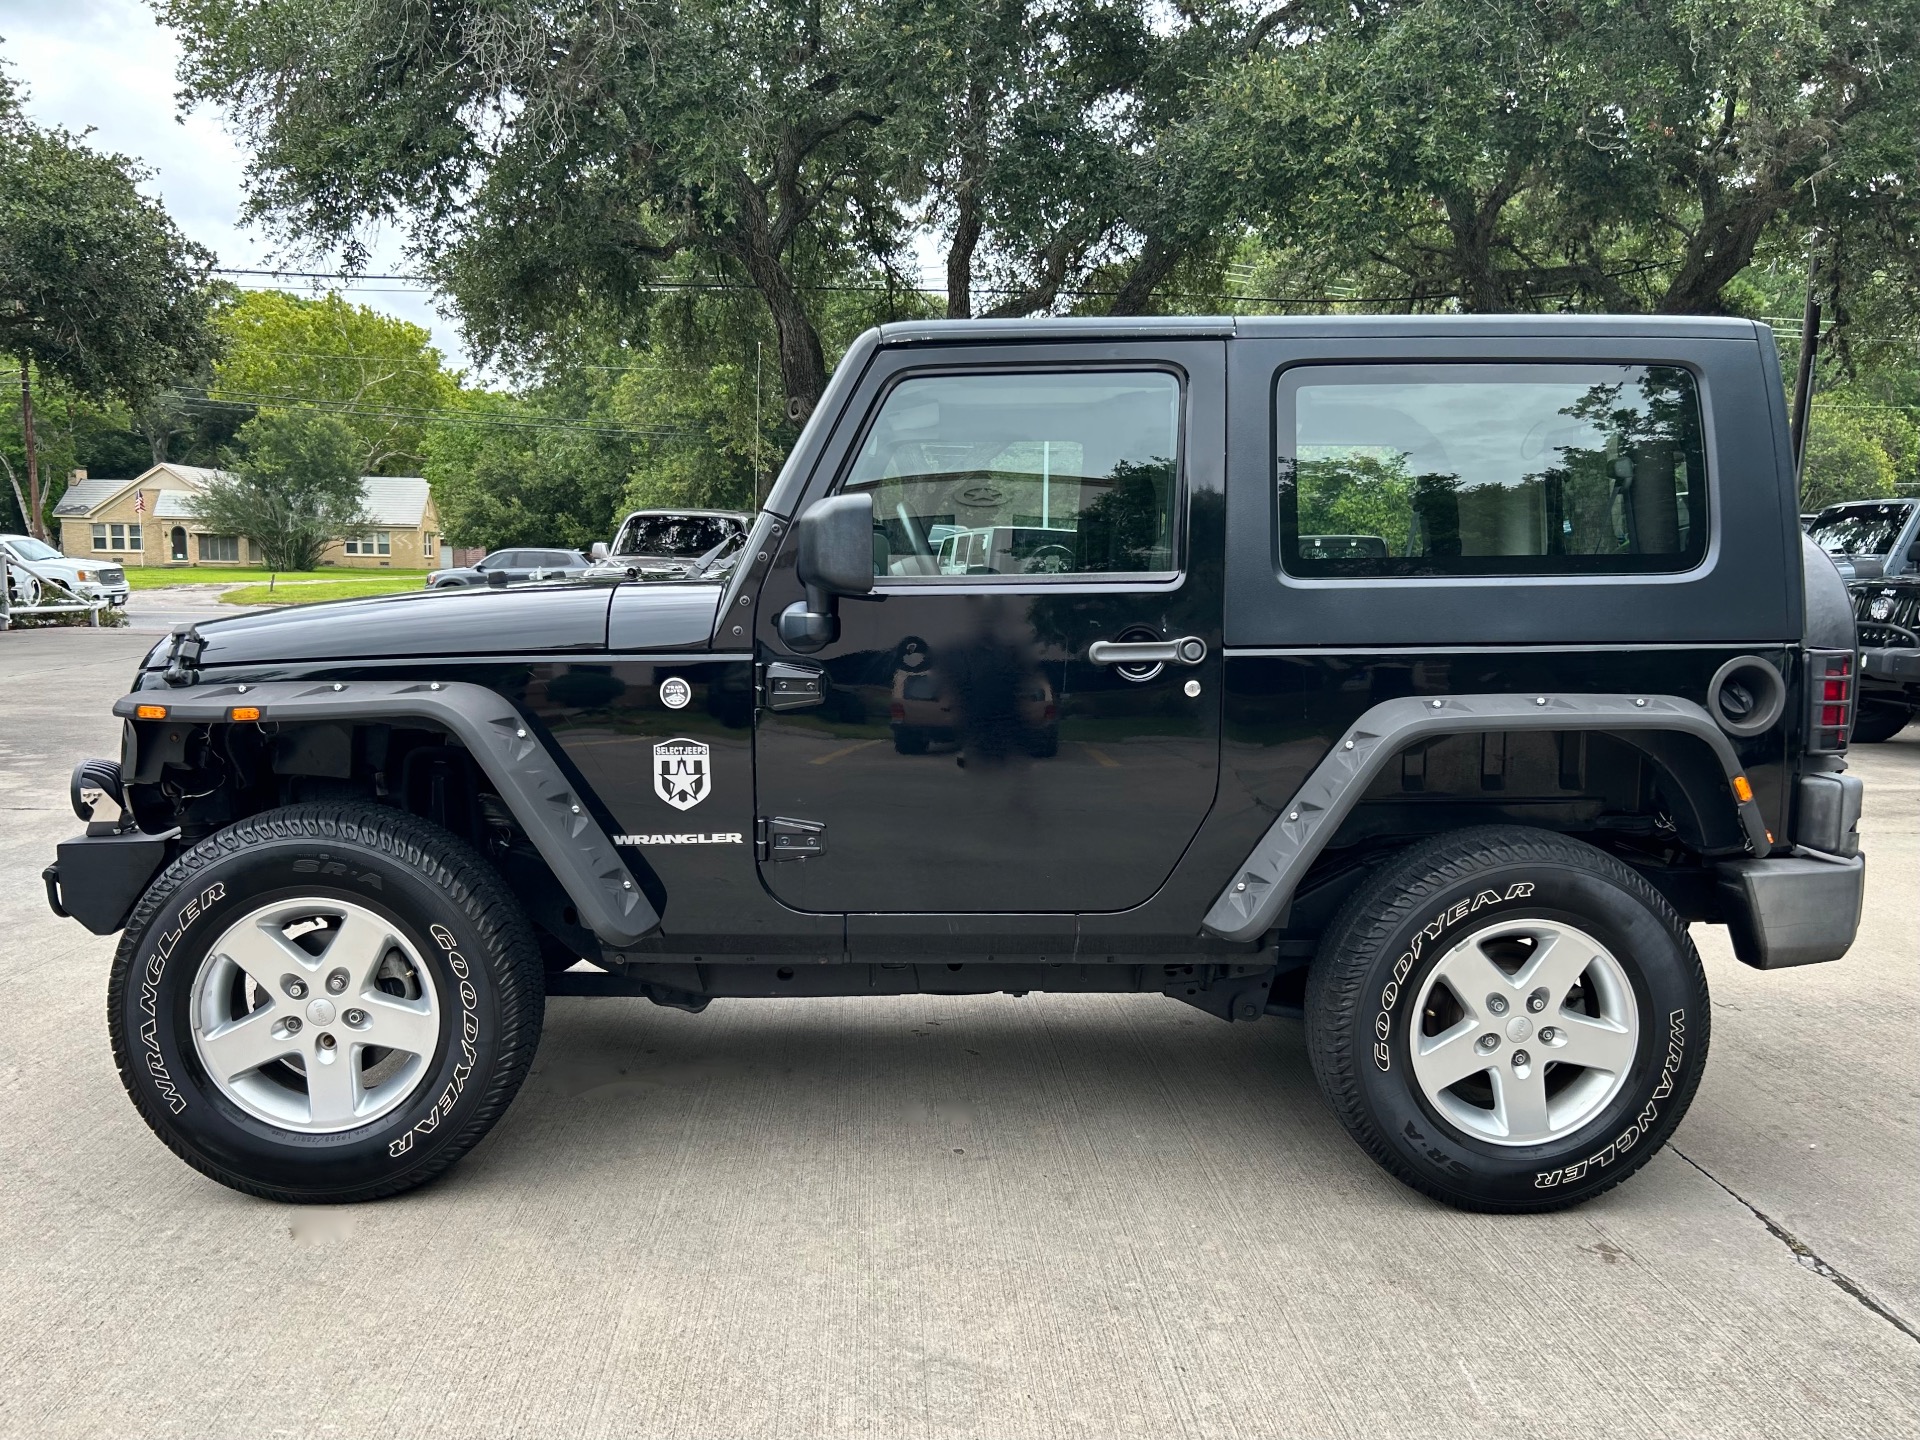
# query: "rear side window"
1023,474
1550,469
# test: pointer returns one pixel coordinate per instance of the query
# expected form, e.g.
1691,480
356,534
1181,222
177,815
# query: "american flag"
139,502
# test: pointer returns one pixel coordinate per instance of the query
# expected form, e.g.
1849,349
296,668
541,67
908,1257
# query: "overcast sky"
106,64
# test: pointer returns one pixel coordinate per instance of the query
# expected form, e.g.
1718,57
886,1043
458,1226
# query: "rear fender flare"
1253,900
535,787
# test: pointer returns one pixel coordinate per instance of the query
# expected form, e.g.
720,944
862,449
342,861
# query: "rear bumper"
1798,910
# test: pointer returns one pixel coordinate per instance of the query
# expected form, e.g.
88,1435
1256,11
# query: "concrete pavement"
1053,1216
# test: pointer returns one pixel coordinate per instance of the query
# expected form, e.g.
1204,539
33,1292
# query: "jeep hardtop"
1420,679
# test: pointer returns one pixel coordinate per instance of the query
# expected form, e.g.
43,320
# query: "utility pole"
1803,373
34,527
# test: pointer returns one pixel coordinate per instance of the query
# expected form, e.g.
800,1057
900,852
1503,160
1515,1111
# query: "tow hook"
52,876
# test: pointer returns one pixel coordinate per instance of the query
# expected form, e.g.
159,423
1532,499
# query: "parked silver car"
512,567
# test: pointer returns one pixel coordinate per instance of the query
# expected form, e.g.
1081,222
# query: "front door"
976,748
177,543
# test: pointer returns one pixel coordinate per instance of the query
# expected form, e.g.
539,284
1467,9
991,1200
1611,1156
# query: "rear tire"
260,974
1507,1019
1877,721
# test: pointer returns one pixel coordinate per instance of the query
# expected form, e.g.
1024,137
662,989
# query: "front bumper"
1796,910
1900,667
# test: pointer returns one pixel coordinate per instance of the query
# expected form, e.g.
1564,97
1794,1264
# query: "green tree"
381,377
295,487
98,289
1505,155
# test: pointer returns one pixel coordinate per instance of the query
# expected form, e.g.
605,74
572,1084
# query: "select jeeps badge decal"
681,774
675,693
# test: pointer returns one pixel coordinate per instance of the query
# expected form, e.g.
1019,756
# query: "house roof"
84,496
397,501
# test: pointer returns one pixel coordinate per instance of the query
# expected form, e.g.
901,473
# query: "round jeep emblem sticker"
675,693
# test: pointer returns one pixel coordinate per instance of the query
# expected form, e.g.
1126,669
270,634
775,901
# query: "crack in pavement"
1804,1254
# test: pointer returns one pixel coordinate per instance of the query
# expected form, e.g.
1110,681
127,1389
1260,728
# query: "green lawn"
331,588
155,577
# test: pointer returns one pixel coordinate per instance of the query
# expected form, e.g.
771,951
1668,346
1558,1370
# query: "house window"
380,542
133,538
426,544
99,537
116,537
219,547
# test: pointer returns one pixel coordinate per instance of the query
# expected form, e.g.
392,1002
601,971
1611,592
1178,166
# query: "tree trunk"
966,207
34,526
1155,264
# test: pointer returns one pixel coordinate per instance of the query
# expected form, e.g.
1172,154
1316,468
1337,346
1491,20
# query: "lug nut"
296,988
1489,1043
336,982
327,1042
1537,1001
1549,1035
290,1025
355,1018
1497,1004
1521,1059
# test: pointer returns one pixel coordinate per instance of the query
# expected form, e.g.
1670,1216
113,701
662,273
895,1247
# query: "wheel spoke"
1596,1044
1472,975
266,955
359,944
399,1025
1557,962
1520,1102
1449,1057
333,1088
247,1044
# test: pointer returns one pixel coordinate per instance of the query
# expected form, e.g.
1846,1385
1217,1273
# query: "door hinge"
782,838
787,686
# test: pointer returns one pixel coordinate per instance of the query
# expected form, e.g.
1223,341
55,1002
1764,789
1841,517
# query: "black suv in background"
512,567
1418,679
1876,544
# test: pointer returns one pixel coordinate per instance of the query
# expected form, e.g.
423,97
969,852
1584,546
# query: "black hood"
524,620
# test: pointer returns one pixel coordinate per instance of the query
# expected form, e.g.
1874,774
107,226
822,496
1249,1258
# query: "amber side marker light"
244,712
150,712
1741,788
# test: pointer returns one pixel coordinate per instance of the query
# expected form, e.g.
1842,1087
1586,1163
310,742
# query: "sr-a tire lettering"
1425,936
469,1043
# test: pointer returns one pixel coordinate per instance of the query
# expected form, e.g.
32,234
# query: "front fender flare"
1252,902
533,785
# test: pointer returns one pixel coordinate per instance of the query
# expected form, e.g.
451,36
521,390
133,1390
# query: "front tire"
1878,721
325,1003
1507,1019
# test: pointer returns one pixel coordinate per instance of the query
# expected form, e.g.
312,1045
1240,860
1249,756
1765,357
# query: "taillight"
897,711
1830,675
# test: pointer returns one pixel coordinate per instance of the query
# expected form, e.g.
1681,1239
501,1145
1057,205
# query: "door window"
1023,474
1555,469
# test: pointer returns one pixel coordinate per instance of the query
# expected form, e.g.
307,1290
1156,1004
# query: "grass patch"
155,577
332,588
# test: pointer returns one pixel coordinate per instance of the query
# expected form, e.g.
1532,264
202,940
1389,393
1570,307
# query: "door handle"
1188,650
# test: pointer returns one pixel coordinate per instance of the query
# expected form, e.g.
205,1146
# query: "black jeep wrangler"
1421,678
1876,545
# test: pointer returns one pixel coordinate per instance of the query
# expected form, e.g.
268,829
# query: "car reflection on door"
985,697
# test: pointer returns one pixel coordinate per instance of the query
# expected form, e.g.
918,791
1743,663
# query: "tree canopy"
381,377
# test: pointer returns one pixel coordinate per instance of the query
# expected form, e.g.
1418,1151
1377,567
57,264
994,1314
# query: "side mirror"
835,557
600,550
497,579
